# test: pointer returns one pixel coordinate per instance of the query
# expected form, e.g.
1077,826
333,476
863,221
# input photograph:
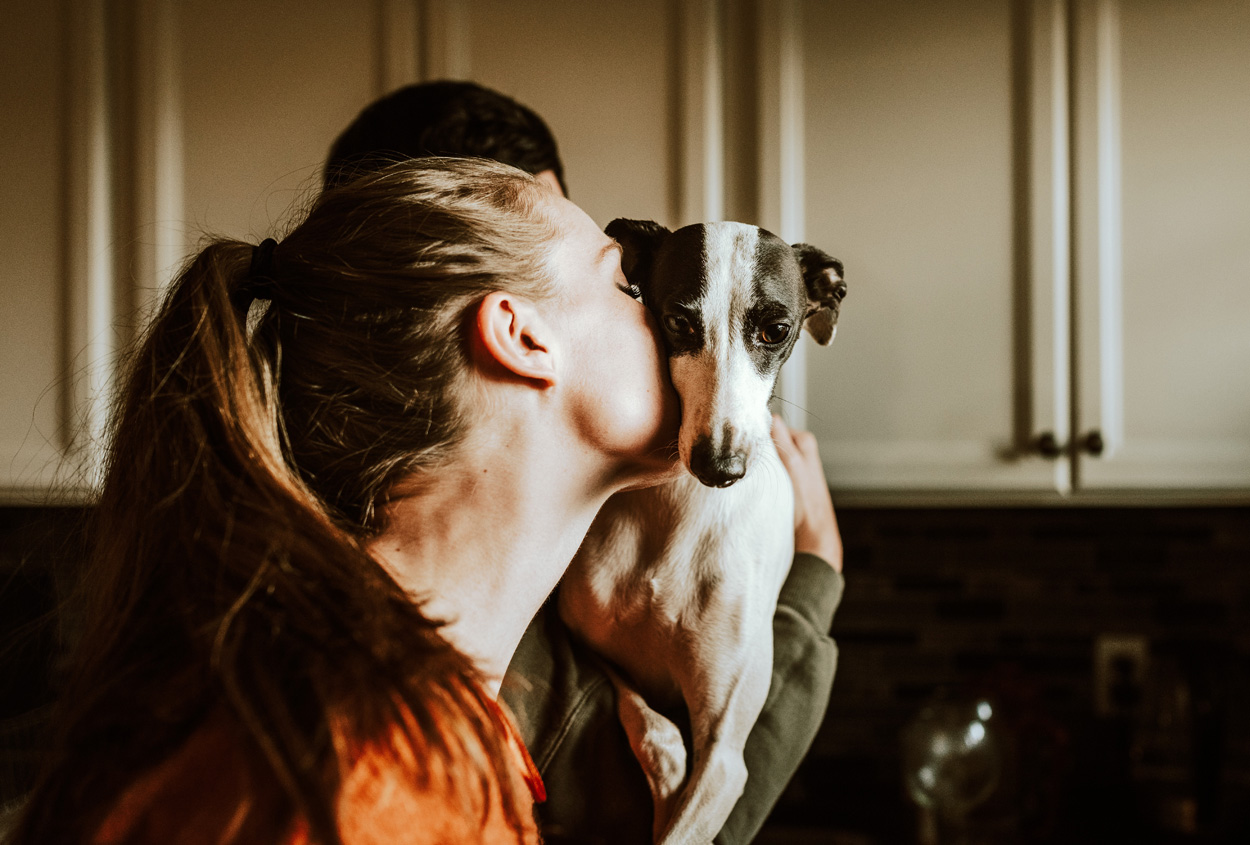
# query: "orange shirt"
206,794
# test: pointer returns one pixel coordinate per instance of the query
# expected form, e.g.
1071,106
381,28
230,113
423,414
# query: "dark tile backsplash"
1007,603
39,548
1010,603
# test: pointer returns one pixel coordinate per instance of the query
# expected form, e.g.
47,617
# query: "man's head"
445,118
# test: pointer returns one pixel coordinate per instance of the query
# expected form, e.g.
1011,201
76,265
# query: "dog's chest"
670,550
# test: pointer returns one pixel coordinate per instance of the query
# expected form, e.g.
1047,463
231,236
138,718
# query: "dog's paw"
663,756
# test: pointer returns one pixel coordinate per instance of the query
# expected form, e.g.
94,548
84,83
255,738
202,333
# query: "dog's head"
730,300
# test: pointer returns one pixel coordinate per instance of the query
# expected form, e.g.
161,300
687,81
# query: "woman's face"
621,399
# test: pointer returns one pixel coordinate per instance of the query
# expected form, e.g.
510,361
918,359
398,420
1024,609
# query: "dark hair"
444,118
228,571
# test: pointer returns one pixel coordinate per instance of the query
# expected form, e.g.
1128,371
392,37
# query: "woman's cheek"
663,398
634,411
641,407
659,416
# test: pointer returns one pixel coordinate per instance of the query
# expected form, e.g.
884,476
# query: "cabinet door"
56,300
601,75
1163,242
30,293
262,89
934,162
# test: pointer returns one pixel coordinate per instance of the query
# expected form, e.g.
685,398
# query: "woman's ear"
513,336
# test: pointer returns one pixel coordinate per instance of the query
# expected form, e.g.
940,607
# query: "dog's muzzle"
717,467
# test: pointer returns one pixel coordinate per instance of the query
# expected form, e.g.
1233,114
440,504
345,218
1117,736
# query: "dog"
677,585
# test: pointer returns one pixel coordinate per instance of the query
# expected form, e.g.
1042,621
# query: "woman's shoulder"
210,790
390,783
216,789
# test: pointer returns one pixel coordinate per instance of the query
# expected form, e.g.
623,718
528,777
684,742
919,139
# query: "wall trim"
781,173
1049,376
89,341
933,464
1097,222
782,126
700,40
444,40
398,44
156,150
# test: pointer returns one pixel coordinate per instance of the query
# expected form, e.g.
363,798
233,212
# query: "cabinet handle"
1093,443
1048,446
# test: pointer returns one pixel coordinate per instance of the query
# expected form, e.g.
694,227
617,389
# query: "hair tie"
259,281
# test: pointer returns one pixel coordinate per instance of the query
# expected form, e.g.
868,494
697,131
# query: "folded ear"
640,241
822,274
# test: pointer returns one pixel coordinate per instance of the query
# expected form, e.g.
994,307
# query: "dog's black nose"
714,467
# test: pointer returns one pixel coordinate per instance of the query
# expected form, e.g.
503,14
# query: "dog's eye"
775,333
632,290
678,325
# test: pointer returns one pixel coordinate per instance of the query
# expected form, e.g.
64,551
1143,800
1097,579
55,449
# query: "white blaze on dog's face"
731,305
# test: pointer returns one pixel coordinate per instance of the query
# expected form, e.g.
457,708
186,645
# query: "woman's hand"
815,525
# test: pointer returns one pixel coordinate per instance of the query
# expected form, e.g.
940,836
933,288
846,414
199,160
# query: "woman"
449,378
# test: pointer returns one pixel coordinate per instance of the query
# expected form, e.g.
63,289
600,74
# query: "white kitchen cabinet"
133,129
1162,242
1044,210
1043,206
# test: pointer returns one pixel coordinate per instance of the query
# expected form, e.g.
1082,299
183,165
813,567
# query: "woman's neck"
484,541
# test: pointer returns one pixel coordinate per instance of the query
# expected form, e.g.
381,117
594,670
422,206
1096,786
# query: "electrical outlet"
1120,663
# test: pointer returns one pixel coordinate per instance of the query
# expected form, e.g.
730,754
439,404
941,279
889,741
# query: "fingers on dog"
805,442
784,438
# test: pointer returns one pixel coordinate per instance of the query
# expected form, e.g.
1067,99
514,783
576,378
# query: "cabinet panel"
32,146
603,76
213,118
265,88
916,160
1164,111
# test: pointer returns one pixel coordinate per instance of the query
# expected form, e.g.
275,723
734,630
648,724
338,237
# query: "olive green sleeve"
805,658
565,708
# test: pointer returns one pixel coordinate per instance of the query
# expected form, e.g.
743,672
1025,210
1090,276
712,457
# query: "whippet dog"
677,585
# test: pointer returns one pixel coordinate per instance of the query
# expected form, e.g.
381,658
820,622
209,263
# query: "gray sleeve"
805,658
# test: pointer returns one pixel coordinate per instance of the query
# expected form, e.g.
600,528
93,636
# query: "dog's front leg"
725,699
658,745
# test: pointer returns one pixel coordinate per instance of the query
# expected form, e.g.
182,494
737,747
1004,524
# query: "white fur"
720,385
692,620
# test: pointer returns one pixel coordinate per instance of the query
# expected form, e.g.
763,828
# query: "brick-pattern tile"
961,599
